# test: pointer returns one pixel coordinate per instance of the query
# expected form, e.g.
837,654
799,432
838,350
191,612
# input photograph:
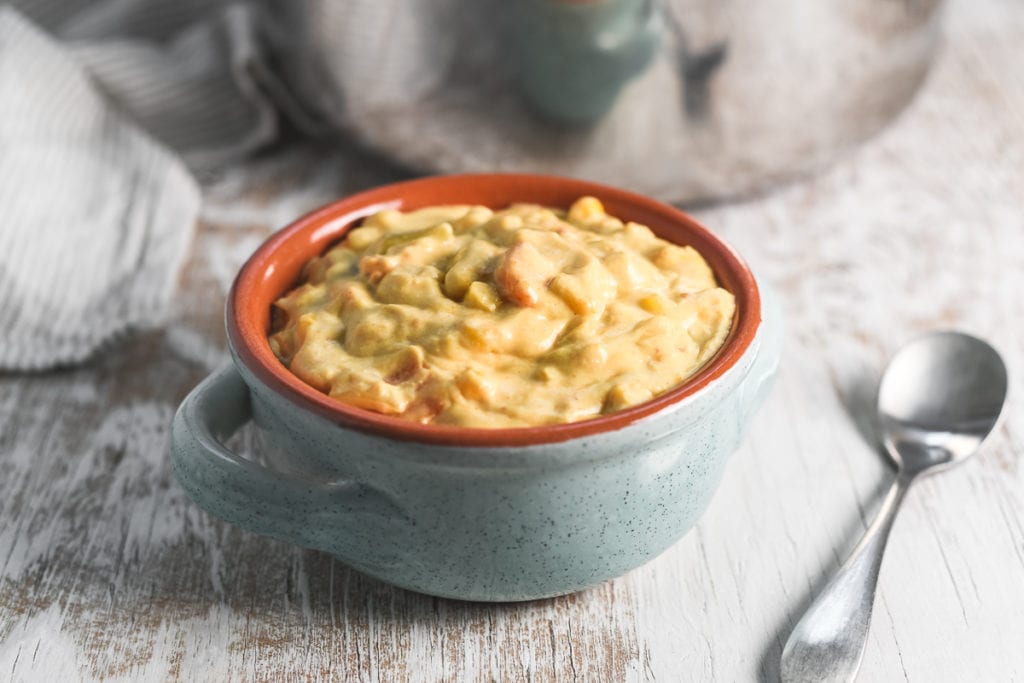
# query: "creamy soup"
525,316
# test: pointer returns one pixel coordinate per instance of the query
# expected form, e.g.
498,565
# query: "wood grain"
107,571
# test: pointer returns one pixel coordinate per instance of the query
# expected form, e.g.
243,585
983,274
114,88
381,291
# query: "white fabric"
95,214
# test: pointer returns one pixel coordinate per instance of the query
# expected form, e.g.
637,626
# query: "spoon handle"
828,642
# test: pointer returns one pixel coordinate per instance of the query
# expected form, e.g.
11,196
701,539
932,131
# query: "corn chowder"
524,316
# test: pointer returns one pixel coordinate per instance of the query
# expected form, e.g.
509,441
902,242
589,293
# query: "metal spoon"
939,398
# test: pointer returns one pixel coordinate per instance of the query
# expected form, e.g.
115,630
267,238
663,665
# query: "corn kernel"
586,209
654,304
482,296
473,386
360,238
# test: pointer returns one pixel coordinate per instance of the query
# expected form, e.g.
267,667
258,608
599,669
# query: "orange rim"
275,267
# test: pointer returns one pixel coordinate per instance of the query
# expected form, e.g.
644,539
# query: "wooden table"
107,570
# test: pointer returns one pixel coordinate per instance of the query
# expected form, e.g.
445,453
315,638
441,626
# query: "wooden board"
108,572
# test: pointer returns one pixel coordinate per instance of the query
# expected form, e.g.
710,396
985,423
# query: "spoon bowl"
940,397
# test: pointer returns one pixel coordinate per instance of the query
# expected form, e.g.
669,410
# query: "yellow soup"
525,316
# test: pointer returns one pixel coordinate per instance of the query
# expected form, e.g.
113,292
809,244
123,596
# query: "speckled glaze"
475,514
493,524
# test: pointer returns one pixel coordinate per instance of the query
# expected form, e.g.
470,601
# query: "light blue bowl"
495,524
474,522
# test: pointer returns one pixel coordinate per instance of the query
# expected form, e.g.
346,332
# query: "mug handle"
314,514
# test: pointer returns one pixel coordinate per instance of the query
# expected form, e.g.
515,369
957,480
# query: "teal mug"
475,514
573,57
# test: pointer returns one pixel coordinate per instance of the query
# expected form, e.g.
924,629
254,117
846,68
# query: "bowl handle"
327,515
769,353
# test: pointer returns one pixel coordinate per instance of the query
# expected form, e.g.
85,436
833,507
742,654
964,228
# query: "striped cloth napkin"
96,210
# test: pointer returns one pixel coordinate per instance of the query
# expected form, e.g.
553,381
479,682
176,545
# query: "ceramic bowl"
476,514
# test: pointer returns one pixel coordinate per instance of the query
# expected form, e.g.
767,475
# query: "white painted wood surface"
107,571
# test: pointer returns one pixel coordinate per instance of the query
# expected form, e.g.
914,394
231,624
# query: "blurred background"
116,114
683,99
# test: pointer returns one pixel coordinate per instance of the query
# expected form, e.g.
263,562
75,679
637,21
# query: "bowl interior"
275,268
